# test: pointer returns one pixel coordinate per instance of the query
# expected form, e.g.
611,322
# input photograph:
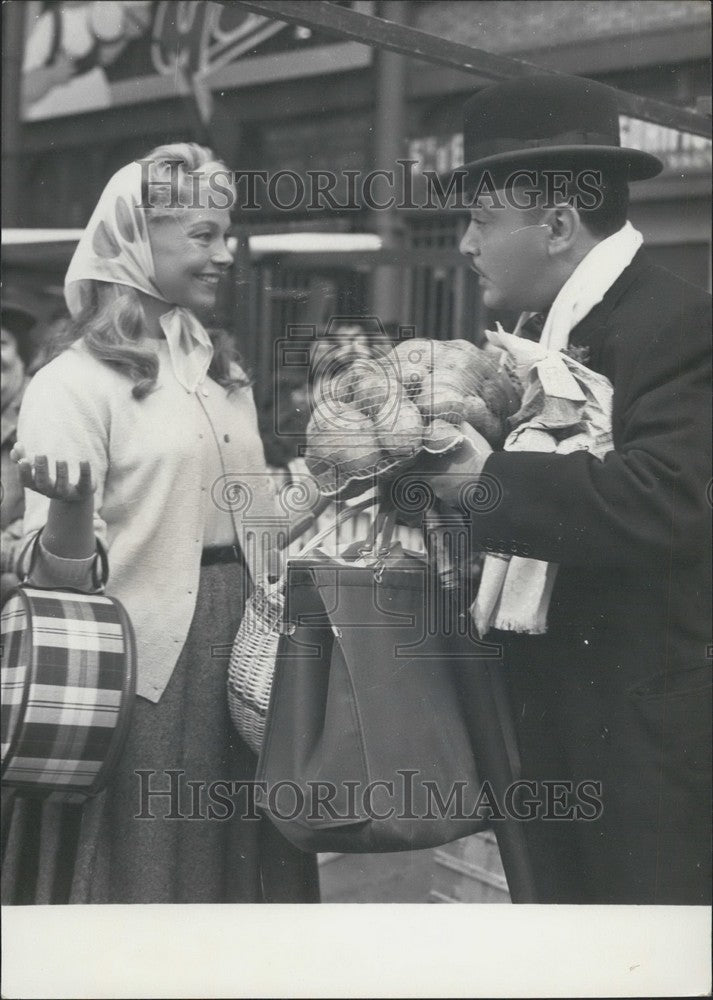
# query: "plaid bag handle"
100,564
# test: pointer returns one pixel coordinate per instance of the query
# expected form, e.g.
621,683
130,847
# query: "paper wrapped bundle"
377,415
566,407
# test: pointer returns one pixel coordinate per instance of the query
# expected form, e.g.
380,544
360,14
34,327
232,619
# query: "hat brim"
637,164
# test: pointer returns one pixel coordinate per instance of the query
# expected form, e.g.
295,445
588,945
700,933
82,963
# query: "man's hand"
449,475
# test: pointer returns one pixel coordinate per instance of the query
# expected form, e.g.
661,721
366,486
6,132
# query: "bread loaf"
400,429
341,442
380,411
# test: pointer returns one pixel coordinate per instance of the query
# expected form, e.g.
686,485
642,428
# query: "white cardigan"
158,500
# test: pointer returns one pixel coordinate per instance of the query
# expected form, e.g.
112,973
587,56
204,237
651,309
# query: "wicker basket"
252,663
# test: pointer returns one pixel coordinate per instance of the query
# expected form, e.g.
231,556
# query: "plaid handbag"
68,681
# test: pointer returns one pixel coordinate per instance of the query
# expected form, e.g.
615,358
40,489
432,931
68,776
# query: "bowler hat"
547,121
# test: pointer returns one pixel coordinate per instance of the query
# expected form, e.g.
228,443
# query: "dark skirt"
198,843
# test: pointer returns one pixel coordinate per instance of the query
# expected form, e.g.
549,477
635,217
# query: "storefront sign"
84,56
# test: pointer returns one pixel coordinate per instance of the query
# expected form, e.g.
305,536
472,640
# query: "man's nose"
468,244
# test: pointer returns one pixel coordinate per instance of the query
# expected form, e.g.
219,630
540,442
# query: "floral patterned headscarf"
115,247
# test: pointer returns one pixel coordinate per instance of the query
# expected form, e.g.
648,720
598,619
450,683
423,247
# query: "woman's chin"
202,303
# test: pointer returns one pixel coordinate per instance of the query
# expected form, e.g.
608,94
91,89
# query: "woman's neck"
153,311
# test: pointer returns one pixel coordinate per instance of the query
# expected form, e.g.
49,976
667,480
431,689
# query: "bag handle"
304,523
278,586
378,540
340,519
32,546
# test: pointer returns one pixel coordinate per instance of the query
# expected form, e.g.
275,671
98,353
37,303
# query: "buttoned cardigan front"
174,472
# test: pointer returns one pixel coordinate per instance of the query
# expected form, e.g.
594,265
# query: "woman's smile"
210,279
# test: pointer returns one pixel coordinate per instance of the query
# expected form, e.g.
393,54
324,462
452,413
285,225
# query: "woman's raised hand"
35,475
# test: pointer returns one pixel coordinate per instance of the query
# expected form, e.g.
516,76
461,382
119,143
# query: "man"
617,691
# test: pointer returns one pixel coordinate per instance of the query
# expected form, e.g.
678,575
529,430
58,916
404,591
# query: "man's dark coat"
619,689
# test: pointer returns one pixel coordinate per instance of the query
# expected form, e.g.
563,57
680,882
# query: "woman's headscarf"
115,248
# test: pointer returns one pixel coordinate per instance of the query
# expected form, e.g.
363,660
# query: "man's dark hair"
611,189
611,214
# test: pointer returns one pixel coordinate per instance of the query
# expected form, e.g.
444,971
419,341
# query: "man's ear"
564,228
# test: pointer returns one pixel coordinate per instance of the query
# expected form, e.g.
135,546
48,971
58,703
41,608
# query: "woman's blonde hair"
112,321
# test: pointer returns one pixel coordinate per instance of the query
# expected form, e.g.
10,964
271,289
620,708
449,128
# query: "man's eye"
205,237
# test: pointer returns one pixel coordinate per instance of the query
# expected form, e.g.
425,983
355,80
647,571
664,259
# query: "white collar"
588,284
189,346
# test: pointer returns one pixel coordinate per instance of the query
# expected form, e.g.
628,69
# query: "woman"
140,435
